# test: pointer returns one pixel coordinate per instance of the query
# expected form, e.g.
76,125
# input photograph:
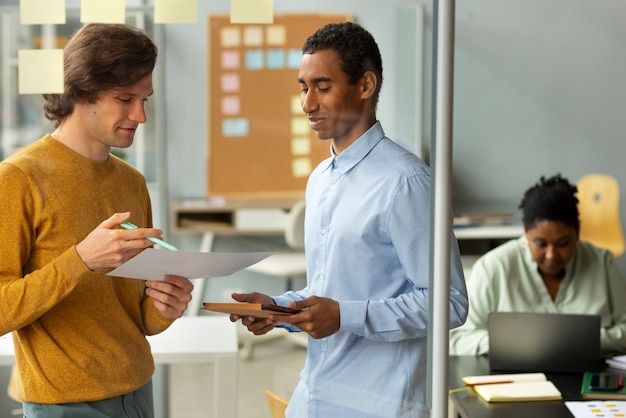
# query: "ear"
368,84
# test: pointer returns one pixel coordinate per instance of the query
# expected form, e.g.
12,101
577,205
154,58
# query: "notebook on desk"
544,342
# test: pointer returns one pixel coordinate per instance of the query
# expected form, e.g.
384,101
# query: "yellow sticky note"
175,11
296,105
102,11
300,126
42,12
230,37
301,145
253,36
40,71
276,35
251,11
301,167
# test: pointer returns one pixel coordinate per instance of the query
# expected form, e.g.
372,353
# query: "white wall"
540,88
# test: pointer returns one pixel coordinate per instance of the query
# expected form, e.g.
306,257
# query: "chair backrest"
276,404
294,228
598,205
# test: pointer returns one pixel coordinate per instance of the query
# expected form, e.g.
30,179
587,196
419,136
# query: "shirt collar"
357,150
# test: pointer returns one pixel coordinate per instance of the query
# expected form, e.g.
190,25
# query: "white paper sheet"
595,409
153,264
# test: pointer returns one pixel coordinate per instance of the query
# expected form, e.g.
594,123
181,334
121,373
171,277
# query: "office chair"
598,205
286,265
276,404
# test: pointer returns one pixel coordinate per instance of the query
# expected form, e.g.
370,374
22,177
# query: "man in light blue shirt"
367,245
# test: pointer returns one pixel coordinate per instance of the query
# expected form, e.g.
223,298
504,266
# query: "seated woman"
546,270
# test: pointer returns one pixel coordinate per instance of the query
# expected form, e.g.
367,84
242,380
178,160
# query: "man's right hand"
109,246
257,326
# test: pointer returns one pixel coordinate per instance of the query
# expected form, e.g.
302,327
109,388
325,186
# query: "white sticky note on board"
40,71
251,11
175,11
102,11
42,12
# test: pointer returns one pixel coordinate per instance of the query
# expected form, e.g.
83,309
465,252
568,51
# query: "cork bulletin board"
260,142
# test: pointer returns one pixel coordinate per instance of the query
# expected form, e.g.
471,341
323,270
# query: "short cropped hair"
357,50
552,199
100,57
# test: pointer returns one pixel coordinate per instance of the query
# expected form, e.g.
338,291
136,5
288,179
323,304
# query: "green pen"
159,242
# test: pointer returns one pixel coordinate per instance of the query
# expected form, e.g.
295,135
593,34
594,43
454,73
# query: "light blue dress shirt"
367,244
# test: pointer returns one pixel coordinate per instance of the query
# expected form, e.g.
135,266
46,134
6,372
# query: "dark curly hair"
100,57
551,199
357,50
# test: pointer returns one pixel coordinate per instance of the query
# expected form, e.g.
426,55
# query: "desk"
468,405
190,339
488,232
232,216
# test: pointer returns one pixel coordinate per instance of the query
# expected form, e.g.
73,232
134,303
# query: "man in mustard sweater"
80,336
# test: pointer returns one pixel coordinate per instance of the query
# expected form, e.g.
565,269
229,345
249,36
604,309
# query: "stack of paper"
514,387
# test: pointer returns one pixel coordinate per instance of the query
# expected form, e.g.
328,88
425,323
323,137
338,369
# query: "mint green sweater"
79,335
506,279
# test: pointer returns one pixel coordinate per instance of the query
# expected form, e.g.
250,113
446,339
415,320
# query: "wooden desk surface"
469,405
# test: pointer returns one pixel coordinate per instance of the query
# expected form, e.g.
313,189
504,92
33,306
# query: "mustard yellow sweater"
79,335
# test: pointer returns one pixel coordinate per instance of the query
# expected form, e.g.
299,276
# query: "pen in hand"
159,242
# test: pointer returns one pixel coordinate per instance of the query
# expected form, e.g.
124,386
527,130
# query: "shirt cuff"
352,316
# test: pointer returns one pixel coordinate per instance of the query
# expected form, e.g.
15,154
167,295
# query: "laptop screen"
544,342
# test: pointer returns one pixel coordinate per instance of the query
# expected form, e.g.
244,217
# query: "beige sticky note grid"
42,12
175,11
40,71
251,11
102,11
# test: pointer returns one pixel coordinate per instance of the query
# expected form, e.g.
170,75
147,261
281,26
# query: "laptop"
544,342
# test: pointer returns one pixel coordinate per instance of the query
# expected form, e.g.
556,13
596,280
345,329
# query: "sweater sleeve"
472,338
613,336
26,295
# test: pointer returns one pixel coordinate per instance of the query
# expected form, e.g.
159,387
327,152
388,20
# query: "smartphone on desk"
606,381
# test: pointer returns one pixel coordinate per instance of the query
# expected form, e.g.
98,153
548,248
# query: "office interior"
539,89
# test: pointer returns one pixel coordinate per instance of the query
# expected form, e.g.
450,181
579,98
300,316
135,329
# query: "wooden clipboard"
260,310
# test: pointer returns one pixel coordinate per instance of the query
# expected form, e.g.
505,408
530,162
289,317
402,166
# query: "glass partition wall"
22,116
